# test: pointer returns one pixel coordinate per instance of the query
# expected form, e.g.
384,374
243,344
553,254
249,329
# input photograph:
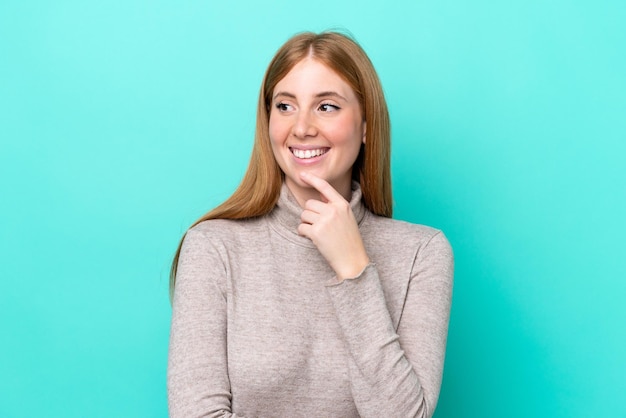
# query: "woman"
299,296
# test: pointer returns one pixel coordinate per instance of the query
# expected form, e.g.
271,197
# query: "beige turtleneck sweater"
262,328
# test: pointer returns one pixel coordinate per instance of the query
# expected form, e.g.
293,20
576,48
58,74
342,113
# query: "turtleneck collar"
286,214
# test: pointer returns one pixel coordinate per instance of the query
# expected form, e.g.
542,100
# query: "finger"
309,217
315,205
322,186
305,230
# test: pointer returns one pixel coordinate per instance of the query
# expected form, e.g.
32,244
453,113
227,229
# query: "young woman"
299,295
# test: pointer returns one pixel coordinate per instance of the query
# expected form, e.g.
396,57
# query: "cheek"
276,131
347,132
277,141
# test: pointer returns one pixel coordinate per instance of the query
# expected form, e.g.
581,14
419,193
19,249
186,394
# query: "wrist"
353,269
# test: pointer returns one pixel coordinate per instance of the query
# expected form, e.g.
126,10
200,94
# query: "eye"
328,107
283,107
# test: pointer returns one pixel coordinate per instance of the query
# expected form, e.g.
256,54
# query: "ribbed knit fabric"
262,328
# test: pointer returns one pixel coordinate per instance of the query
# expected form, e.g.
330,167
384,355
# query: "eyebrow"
330,94
318,95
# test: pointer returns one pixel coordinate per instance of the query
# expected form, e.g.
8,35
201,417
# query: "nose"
304,126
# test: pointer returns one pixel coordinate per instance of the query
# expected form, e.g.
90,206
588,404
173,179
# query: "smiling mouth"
309,153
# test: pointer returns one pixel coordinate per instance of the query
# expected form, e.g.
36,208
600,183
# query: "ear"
364,131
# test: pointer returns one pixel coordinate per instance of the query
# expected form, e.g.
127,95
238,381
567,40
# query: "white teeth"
309,153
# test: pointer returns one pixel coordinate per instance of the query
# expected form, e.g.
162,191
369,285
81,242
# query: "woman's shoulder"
225,229
401,232
385,225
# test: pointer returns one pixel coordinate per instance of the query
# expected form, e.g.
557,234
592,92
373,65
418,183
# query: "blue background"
123,121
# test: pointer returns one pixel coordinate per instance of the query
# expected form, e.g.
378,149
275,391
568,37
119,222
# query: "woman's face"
316,125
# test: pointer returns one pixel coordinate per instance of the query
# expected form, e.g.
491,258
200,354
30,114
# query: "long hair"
260,188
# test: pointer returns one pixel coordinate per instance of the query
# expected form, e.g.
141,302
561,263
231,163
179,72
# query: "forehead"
312,76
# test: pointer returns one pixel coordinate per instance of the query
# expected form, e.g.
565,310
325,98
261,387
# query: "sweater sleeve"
398,372
197,375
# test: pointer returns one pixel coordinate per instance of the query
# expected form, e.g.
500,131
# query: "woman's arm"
197,376
398,372
392,372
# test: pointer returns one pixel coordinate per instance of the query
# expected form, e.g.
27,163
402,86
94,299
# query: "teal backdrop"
123,121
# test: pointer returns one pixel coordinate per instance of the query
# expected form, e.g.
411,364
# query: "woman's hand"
333,229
